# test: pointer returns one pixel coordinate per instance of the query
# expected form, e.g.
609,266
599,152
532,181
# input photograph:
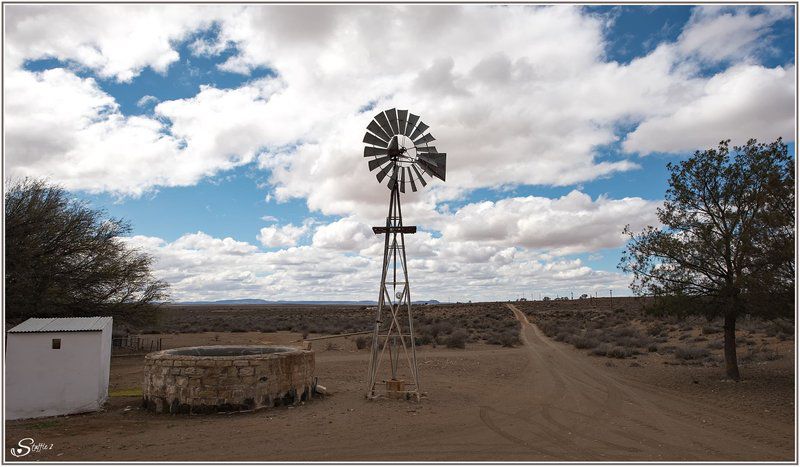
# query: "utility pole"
611,294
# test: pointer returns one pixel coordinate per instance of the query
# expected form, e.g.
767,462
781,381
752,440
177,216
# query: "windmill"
398,145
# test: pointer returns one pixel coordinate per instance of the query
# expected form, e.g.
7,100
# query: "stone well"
226,378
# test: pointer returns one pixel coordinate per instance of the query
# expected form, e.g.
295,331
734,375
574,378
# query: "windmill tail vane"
398,144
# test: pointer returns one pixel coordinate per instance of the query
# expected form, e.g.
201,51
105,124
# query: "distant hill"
258,301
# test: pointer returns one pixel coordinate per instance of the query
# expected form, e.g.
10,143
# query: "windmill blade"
402,117
426,149
375,163
436,167
393,178
369,138
419,175
421,127
425,139
394,146
412,120
382,174
430,159
411,180
370,151
375,128
427,168
384,123
402,179
391,115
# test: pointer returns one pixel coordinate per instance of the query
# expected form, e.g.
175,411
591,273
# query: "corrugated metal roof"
94,323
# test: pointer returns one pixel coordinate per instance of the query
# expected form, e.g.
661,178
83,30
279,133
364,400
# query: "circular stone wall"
226,378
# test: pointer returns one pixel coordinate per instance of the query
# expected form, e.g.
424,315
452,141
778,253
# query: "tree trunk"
731,366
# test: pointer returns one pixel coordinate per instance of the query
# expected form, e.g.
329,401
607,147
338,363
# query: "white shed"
57,366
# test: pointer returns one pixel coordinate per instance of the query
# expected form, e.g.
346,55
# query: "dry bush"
760,354
584,342
601,350
608,333
667,349
657,329
716,345
362,342
691,353
492,323
332,346
621,352
457,340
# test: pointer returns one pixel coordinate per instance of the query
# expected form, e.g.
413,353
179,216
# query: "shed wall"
105,361
42,381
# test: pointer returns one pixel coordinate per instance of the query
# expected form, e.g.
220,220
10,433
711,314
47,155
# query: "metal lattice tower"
397,142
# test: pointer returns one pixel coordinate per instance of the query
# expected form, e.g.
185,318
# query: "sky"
230,135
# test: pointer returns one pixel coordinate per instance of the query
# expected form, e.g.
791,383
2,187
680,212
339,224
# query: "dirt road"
542,401
567,408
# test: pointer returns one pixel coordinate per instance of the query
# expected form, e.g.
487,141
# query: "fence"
136,344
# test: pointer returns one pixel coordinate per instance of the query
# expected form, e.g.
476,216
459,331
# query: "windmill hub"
398,145
405,153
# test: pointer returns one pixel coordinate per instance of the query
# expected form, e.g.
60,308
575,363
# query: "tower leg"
391,335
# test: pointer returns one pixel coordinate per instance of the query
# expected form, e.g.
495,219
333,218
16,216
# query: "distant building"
57,366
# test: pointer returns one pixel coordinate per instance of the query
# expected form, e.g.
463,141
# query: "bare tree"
62,257
726,247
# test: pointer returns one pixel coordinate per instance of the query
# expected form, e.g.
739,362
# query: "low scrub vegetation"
628,330
447,325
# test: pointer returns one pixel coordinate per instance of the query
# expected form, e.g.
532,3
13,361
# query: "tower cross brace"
394,302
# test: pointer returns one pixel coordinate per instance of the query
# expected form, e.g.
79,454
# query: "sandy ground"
543,401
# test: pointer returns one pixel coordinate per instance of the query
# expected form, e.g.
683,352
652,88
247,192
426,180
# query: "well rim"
280,351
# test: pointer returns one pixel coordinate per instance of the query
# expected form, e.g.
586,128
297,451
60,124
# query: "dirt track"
569,409
542,401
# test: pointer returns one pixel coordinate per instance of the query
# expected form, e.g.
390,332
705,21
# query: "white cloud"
269,218
571,224
85,143
515,95
744,102
116,41
281,236
344,234
146,101
718,33
224,247
201,267
207,48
